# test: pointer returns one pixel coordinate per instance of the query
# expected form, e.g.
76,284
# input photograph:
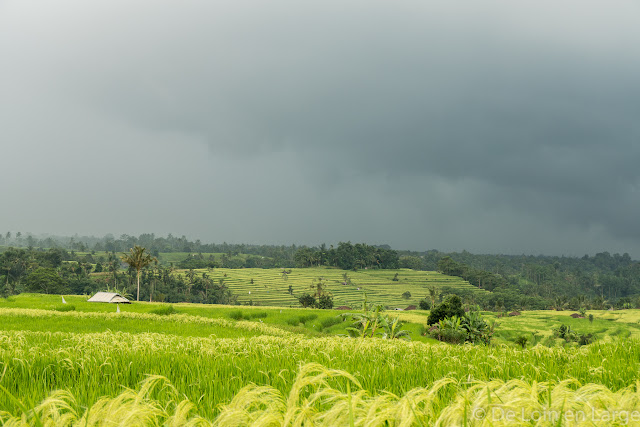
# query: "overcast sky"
492,126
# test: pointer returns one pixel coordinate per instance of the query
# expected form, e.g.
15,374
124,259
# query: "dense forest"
526,281
514,281
280,256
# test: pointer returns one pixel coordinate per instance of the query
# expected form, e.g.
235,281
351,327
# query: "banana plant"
366,324
393,328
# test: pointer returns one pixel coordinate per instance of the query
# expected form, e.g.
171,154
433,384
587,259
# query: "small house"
110,297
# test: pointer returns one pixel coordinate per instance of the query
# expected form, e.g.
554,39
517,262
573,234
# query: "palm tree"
433,294
138,259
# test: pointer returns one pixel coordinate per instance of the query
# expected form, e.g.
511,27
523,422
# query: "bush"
258,315
522,341
424,304
65,307
585,339
325,302
236,314
297,320
450,307
449,330
307,317
307,300
452,336
164,311
471,327
331,321
569,335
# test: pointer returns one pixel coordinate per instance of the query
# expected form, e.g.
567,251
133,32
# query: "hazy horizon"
76,236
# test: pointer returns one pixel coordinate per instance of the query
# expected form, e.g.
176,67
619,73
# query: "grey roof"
111,297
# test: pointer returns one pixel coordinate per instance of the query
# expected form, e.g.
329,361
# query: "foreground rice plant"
209,372
263,375
314,399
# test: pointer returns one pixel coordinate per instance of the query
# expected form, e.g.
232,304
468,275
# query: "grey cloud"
383,121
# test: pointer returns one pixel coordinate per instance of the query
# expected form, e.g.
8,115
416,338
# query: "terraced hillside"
271,286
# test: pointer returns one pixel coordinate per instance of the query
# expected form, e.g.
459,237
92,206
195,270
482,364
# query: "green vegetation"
324,396
228,363
495,282
269,288
373,323
450,307
137,259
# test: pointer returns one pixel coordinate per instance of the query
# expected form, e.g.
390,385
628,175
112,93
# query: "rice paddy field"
271,287
151,364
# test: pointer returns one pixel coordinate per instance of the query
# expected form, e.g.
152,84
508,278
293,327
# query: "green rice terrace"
271,286
82,363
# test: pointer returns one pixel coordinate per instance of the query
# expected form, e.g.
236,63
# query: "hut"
110,297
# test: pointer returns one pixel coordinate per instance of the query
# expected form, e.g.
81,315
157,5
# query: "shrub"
65,307
522,341
585,339
331,321
449,330
569,335
235,314
307,317
471,327
307,300
297,320
164,311
325,302
450,307
478,331
292,321
258,315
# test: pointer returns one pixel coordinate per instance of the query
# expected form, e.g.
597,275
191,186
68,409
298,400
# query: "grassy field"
275,366
270,287
537,325
313,323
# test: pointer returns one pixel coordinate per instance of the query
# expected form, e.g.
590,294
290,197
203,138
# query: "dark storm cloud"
501,126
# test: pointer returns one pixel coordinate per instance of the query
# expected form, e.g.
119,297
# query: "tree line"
540,281
347,256
597,282
54,271
281,255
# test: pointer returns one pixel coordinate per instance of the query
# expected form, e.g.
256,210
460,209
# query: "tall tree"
138,259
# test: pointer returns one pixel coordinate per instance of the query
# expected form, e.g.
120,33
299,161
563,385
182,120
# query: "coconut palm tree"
433,295
138,259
